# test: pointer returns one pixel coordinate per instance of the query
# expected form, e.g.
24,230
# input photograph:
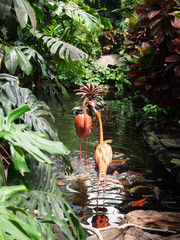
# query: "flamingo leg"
80,148
99,176
86,151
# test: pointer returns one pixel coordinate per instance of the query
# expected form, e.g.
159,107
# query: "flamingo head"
91,103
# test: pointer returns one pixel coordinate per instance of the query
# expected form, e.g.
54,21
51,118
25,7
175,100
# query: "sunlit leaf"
11,59
21,12
13,227
24,63
7,192
16,113
31,13
19,159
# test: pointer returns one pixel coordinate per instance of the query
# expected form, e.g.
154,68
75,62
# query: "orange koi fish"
140,203
61,183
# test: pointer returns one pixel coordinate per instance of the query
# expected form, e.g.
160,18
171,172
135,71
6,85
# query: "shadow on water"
134,174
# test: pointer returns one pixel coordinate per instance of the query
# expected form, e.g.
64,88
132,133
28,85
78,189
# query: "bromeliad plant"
154,51
89,92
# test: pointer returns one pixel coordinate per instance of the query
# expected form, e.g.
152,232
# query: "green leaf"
2,175
1,122
11,59
13,227
19,159
106,23
47,198
16,113
24,63
7,192
31,13
21,12
8,77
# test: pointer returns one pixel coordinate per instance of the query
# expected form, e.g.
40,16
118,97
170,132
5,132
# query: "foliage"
117,12
39,38
10,222
97,74
154,51
33,142
13,96
29,215
154,113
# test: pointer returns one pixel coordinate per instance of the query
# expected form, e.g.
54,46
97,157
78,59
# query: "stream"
136,180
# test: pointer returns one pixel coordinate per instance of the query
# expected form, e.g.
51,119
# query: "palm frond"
72,10
63,49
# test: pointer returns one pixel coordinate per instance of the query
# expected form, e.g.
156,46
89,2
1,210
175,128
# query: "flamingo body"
103,157
103,153
83,124
83,132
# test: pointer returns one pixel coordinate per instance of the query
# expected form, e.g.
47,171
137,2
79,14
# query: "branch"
94,230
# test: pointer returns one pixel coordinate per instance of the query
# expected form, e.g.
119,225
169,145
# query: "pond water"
135,174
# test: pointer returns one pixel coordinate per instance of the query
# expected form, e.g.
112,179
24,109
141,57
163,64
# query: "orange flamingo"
83,124
103,153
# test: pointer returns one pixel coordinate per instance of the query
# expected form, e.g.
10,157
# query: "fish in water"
140,203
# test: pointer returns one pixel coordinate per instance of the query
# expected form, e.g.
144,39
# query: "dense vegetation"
46,46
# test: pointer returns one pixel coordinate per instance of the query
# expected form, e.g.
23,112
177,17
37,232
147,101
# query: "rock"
154,219
110,59
145,221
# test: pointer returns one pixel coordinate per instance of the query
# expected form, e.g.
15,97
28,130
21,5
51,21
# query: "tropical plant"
46,37
32,213
154,113
88,92
13,96
154,51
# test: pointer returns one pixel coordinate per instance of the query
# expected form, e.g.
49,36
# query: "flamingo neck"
100,126
85,115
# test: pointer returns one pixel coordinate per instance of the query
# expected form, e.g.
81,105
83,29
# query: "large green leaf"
19,159
31,53
21,12
13,227
23,61
24,10
11,59
16,113
37,118
7,192
33,143
63,49
72,10
31,13
46,199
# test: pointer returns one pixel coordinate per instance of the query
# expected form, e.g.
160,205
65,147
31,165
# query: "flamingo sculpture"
103,153
83,124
